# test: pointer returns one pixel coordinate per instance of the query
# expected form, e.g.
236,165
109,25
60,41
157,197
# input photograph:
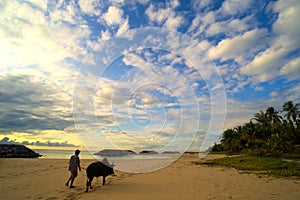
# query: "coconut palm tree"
291,109
230,140
272,116
260,117
262,125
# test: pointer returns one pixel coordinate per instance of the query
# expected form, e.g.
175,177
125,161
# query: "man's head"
77,152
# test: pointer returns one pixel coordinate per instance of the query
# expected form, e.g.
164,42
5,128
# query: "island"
170,152
148,152
114,153
17,151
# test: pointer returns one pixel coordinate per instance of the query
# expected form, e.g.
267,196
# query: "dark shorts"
74,173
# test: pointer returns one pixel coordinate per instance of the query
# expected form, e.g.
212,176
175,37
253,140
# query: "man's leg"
67,184
74,175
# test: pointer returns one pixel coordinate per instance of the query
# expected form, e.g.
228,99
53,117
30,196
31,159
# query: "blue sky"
142,74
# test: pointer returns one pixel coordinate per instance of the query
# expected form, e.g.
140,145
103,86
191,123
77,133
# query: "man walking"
73,165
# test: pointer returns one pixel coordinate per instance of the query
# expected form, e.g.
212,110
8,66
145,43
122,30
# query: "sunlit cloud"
70,68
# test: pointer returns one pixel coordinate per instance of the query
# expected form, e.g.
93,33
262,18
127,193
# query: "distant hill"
148,152
17,151
115,152
170,152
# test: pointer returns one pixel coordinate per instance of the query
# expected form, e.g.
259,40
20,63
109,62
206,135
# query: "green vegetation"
270,134
262,165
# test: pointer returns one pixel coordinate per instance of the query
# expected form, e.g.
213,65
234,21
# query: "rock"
148,152
17,151
114,152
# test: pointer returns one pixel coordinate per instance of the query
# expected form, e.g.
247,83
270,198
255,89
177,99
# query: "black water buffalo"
97,169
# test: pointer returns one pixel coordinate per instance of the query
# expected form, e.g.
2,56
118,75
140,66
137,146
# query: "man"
73,165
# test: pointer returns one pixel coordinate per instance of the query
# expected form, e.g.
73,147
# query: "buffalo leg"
89,183
103,182
91,179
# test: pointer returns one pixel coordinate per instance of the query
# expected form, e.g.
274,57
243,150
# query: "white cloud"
232,7
201,4
134,103
274,94
201,22
238,46
228,27
90,7
166,16
173,23
293,92
105,35
291,69
33,44
157,16
143,1
259,88
117,2
209,18
27,44
123,28
288,19
41,4
68,12
173,3
153,73
195,23
267,65
114,16
240,112
135,60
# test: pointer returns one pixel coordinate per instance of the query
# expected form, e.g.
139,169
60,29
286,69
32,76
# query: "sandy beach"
45,179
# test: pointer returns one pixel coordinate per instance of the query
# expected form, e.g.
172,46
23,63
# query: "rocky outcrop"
114,153
17,151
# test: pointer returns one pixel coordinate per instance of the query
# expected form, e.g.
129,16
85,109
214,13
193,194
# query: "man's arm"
79,164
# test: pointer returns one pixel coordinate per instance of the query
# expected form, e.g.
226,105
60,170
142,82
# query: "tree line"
270,133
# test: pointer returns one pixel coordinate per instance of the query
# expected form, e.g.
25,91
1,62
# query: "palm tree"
267,133
262,125
249,132
272,116
291,109
231,140
238,129
260,117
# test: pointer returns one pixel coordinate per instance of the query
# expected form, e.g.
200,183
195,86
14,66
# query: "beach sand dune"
45,179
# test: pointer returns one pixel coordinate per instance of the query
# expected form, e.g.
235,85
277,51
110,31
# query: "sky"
158,75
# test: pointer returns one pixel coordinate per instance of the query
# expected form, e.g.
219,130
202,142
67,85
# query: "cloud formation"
49,49
6,140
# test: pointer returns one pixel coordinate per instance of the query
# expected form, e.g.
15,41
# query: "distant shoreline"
84,154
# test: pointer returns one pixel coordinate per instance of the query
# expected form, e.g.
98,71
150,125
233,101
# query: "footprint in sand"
72,197
52,198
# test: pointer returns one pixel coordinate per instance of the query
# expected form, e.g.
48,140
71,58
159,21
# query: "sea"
139,163
62,154
66,154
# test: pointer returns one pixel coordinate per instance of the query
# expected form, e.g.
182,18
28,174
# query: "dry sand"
45,179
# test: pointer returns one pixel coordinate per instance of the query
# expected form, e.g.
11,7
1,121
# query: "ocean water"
66,154
132,163
62,154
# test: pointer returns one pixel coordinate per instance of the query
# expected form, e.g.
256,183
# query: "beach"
46,178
